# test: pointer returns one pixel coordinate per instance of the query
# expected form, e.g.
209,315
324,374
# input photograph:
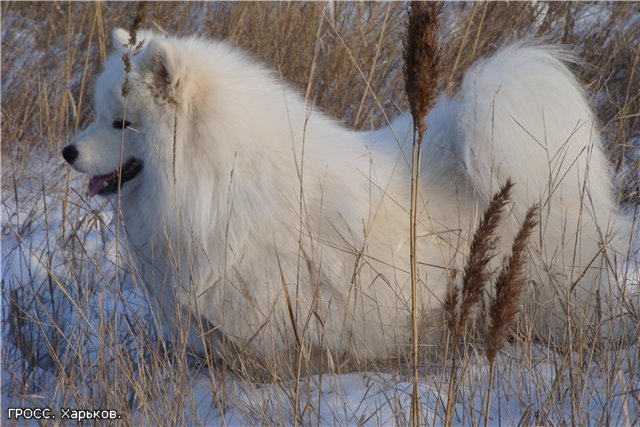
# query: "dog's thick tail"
522,115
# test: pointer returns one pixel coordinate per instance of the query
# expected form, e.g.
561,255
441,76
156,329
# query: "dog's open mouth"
107,184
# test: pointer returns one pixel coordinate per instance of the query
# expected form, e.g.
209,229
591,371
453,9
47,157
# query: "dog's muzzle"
108,183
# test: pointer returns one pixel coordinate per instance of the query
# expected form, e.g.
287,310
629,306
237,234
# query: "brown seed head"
422,58
509,285
137,20
481,252
133,35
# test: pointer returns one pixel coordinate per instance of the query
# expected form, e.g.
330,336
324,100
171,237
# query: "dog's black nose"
69,153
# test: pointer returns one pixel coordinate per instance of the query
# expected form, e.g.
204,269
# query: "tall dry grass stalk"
475,277
134,47
421,73
506,303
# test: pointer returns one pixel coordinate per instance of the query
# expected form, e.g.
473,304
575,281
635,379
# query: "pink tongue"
97,183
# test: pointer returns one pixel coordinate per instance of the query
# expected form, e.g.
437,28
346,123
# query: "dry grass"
346,58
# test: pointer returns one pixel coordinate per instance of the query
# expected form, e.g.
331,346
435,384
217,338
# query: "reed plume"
481,252
133,41
508,287
421,73
422,66
474,279
508,292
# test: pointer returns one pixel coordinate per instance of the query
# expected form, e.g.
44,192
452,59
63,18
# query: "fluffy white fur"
261,200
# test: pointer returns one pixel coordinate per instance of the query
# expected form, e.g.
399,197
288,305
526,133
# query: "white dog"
274,223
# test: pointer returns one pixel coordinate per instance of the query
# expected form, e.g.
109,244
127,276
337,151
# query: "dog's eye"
119,124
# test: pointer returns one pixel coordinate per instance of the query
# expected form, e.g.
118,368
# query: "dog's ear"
159,64
120,38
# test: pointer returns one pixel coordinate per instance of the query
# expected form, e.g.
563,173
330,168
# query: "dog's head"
115,147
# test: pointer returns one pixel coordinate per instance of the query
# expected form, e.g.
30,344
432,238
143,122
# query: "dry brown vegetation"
345,58
348,62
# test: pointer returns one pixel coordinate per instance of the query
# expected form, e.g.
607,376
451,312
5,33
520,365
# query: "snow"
350,399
